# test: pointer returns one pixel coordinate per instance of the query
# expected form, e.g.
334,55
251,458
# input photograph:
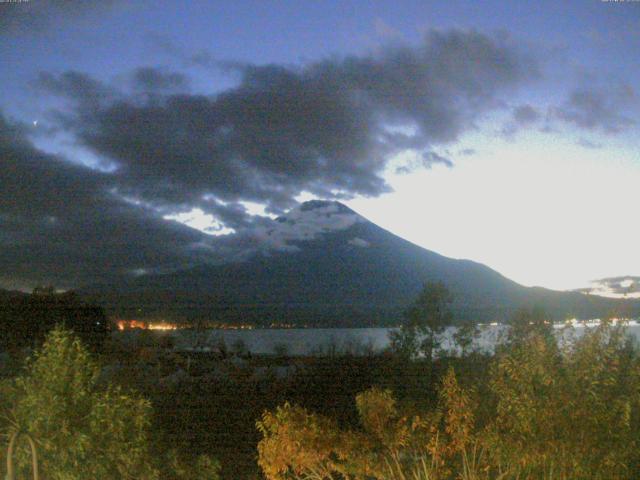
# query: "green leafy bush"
82,429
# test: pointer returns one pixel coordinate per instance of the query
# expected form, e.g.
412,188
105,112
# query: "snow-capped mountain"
323,264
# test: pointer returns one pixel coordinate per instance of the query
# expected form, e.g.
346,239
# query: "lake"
305,341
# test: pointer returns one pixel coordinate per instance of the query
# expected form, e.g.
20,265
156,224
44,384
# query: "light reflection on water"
305,341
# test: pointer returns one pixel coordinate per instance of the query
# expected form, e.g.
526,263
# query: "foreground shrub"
550,412
571,412
81,429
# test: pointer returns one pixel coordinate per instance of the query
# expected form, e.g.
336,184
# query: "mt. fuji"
322,264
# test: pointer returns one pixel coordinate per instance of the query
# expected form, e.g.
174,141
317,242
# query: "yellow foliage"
550,413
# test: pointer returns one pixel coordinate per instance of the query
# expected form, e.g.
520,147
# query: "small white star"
35,123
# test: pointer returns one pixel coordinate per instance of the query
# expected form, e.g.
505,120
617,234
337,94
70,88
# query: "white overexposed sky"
542,210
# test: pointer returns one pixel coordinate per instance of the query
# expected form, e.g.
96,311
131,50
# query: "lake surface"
305,341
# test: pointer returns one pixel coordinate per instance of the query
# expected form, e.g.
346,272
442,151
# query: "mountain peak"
321,211
309,220
323,264
333,205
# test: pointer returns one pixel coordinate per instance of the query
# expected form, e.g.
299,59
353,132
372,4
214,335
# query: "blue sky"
527,164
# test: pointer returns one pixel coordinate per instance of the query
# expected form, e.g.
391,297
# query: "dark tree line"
26,319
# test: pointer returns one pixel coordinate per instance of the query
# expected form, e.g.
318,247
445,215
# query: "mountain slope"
336,269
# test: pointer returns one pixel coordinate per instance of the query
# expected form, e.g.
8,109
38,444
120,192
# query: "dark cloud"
150,79
328,128
522,116
625,285
322,128
201,58
62,224
597,109
525,115
583,142
467,152
432,158
86,93
426,160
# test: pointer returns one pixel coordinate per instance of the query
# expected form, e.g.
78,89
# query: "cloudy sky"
152,135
